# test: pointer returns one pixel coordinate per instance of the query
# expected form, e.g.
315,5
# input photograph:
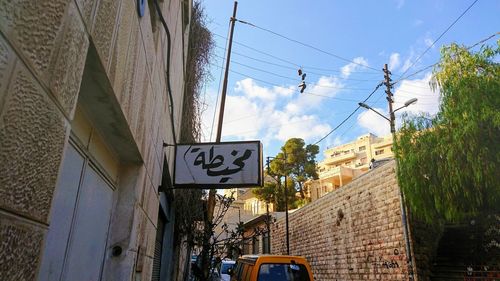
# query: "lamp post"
401,195
391,114
287,232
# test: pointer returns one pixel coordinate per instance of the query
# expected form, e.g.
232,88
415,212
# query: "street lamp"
401,195
391,114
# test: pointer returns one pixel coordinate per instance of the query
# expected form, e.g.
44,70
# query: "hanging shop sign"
218,165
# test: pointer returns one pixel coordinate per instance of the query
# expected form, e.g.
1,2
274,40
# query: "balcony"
383,144
337,171
341,157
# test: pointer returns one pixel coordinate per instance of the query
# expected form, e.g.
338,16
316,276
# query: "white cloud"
399,4
418,22
242,118
353,66
249,88
409,60
428,100
428,41
306,127
284,91
419,47
374,123
314,95
326,85
258,114
207,115
338,141
394,61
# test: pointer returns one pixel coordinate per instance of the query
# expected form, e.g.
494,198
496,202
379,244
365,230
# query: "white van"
225,267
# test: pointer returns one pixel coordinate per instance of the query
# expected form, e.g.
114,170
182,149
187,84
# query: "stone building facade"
352,233
84,115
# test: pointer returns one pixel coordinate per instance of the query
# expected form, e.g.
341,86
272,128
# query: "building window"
155,275
362,148
378,152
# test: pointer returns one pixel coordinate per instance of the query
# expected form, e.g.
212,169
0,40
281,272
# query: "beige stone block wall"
43,50
353,233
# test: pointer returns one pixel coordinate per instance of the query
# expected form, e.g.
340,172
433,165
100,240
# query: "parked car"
225,268
271,268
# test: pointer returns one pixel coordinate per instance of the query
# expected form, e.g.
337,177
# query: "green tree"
448,165
274,192
300,162
297,161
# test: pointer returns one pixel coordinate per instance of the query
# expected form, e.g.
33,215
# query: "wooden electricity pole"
404,217
211,194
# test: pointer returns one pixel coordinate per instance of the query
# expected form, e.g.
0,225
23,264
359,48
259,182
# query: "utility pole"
390,98
404,218
211,195
268,239
212,192
286,211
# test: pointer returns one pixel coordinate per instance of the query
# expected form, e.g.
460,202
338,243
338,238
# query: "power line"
350,115
260,52
439,37
293,79
281,86
270,127
434,64
218,88
308,45
414,73
262,112
306,69
484,40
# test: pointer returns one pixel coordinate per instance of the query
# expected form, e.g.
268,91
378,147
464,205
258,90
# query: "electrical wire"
262,112
308,45
434,64
439,37
218,88
293,79
281,86
304,67
295,69
167,31
350,115
260,52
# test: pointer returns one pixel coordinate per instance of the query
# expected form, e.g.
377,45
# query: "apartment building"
345,162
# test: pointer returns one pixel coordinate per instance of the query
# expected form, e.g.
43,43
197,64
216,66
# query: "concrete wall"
353,233
44,48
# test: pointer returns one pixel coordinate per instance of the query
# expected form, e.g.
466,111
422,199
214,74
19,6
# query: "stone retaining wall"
353,233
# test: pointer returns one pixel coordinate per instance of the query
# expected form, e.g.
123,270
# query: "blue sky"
263,101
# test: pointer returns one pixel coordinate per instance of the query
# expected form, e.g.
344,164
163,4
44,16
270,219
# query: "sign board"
218,165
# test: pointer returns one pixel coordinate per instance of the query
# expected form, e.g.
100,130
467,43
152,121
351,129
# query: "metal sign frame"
224,181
